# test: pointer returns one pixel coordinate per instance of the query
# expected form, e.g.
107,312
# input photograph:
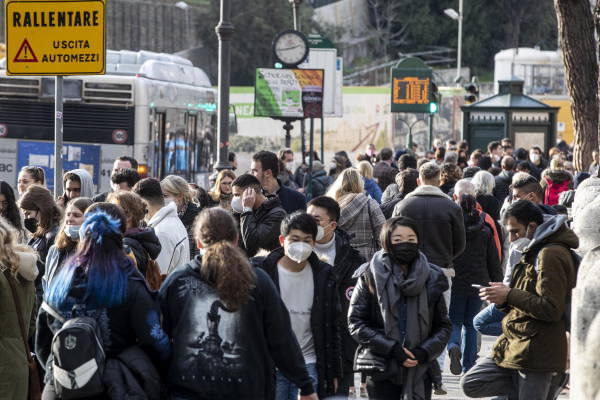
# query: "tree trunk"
576,31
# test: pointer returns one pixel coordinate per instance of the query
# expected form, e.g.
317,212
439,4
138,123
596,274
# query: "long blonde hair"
215,193
366,169
9,246
349,181
178,186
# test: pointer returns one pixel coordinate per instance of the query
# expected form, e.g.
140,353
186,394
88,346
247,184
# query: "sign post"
60,38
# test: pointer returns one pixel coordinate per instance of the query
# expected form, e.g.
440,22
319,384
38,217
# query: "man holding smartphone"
529,359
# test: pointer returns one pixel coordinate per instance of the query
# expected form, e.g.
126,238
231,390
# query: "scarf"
181,212
390,284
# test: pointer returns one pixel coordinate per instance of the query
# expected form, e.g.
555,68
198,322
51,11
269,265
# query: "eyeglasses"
4,204
226,183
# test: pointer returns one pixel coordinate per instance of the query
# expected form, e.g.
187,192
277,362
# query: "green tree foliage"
488,26
256,23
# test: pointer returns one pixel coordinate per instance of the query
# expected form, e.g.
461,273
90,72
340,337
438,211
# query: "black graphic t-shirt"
219,354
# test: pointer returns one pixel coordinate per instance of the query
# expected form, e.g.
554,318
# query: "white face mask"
497,157
534,157
289,166
519,244
321,231
307,160
298,251
72,231
237,205
332,165
168,200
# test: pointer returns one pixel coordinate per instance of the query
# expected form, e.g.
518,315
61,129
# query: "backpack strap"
50,310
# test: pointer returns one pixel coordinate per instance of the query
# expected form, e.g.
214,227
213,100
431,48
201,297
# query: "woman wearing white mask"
66,239
176,189
307,287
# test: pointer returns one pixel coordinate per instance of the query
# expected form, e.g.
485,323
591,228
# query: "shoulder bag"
35,391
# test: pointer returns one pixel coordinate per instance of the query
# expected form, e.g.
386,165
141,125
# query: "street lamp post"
296,4
184,6
457,16
225,31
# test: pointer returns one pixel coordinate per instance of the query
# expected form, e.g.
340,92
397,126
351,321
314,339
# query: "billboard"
295,93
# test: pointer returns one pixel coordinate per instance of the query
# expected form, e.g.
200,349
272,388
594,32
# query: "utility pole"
459,60
225,31
297,4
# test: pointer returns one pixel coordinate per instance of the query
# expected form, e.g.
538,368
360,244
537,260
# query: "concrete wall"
137,25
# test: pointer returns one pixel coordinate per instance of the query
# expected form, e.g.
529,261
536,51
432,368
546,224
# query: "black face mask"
31,224
405,252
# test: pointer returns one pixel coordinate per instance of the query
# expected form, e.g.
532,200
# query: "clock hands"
289,48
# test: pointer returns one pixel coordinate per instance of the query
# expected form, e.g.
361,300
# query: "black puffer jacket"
320,183
388,208
347,261
260,228
490,205
324,319
366,320
502,188
479,264
42,246
142,241
440,221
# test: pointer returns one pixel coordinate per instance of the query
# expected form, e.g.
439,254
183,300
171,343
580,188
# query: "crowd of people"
251,289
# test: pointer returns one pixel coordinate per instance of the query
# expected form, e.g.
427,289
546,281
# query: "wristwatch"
247,209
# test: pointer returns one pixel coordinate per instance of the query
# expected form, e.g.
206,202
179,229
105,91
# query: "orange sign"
410,90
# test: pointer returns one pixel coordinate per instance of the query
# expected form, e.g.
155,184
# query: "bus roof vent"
169,72
28,86
108,93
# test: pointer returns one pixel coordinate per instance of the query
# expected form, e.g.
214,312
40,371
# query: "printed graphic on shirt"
212,338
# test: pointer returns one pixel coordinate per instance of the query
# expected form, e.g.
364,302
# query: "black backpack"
566,317
79,358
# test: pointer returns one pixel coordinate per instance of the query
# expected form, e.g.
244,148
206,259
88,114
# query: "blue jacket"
291,200
372,189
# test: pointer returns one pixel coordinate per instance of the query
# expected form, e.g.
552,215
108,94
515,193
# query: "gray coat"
355,218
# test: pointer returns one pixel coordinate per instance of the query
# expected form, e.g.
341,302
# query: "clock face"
290,48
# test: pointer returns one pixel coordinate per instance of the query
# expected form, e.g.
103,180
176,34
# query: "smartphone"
479,286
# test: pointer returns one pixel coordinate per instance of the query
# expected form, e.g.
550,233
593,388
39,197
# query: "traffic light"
435,98
472,90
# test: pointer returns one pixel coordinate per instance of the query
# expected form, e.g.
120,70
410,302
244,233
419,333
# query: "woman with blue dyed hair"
100,276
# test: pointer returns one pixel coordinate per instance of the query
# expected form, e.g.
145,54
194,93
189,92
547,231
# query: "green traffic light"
433,107
278,65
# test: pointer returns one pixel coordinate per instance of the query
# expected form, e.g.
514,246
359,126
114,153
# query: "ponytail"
224,265
469,208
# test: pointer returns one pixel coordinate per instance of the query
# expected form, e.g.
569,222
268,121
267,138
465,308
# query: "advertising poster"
288,93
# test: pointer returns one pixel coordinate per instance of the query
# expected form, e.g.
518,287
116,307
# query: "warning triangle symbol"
25,53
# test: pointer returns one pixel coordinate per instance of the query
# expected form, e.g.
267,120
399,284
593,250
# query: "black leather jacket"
42,246
366,320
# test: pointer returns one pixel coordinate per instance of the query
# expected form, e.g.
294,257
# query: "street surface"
452,382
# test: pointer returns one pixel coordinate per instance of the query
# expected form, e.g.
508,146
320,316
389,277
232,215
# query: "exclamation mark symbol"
25,51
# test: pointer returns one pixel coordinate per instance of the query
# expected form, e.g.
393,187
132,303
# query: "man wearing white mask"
308,289
535,155
495,151
260,215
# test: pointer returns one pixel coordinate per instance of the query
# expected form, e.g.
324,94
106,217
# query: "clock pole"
225,31
297,4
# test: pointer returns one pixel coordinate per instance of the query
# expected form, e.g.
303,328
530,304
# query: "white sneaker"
440,391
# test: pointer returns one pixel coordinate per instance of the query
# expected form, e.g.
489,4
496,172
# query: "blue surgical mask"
72,231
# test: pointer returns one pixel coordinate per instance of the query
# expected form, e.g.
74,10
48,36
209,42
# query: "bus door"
159,140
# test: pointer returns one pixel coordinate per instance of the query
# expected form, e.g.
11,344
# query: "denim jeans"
486,379
463,308
489,321
287,390
447,296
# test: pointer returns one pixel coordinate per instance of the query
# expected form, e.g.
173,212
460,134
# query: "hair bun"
99,223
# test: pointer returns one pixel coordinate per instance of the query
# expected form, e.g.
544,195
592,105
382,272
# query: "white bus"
155,107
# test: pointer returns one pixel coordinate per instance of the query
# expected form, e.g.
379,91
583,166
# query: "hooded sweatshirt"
87,183
173,238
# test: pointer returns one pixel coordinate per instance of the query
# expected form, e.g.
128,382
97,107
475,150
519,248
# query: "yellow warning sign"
65,37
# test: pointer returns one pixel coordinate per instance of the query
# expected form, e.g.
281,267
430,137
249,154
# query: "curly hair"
450,173
224,265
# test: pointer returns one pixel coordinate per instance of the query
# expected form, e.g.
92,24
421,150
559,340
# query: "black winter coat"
188,219
320,183
367,326
502,188
440,221
324,319
479,264
490,205
142,241
347,261
260,229
448,187
42,246
252,340
388,208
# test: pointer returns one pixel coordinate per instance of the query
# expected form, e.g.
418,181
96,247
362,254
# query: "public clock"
290,48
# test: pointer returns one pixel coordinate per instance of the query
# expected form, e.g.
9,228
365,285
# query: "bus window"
159,138
191,154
